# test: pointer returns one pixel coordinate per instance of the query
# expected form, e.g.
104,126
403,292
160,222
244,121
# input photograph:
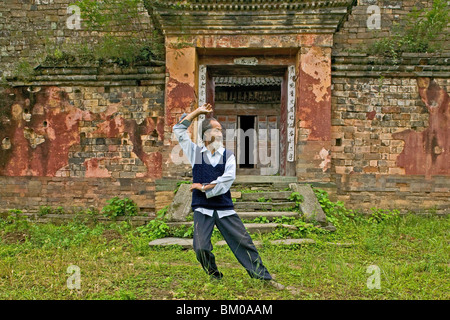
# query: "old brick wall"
384,133
390,132
355,36
113,145
84,137
31,28
77,136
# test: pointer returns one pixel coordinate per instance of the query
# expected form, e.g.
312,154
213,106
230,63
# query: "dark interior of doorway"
247,123
244,98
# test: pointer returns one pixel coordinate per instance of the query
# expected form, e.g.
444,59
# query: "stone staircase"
265,197
262,197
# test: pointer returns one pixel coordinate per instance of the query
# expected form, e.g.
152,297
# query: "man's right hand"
204,109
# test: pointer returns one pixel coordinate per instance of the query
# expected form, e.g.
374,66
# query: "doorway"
248,101
246,142
251,107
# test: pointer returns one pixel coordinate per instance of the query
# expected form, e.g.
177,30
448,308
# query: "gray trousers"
237,238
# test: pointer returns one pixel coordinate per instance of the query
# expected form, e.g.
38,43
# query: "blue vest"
203,172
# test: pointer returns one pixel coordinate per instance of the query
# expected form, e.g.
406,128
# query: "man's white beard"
215,145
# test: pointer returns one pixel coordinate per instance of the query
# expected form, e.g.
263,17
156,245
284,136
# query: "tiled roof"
247,81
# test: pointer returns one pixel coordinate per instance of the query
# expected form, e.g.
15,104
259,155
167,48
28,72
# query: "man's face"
215,133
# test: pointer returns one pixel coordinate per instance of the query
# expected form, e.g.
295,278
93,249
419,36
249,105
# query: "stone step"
270,215
255,179
264,187
171,241
253,206
310,207
260,227
255,227
251,227
273,195
268,183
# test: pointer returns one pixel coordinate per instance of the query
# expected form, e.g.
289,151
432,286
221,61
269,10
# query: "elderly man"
214,170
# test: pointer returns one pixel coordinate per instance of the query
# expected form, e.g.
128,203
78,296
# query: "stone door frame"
311,54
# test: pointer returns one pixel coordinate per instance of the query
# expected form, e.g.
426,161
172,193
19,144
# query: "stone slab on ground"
188,243
310,206
260,227
185,243
275,242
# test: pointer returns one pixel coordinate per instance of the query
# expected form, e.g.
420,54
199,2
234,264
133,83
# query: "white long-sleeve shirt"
224,182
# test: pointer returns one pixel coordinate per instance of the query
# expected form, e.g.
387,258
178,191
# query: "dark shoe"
217,275
275,284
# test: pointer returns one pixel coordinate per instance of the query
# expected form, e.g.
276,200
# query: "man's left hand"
197,186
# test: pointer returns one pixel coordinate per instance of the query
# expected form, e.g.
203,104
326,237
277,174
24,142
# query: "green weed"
416,33
120,207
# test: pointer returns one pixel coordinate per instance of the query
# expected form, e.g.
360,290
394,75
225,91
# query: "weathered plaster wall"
428,152
49,136
389,142
180,97
83,136
314,109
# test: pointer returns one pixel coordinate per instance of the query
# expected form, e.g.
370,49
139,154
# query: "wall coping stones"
93,76
346,64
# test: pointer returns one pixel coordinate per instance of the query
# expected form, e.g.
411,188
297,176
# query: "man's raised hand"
204,109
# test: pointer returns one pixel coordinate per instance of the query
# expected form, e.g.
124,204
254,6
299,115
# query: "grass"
116,263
